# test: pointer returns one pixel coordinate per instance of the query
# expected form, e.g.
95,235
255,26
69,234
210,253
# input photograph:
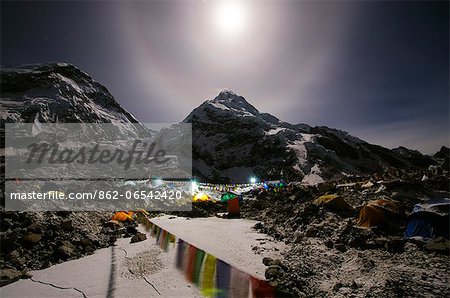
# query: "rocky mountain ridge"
234,141
56,92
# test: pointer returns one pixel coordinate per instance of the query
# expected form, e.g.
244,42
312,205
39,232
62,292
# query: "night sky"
379,70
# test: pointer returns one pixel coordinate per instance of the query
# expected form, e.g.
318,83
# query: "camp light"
252,180
194,186
158,182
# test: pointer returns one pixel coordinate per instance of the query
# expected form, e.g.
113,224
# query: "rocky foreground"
37,240
330,256
327,255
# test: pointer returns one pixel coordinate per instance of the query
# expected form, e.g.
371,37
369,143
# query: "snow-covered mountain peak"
228,100
225,95
56,92
234,141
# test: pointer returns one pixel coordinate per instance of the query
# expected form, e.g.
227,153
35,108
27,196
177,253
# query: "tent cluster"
234,187
427,221
378,213
233,200
275,186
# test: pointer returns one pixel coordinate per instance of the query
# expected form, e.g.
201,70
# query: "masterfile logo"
97,151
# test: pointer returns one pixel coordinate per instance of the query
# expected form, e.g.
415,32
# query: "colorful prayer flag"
180,253
198,266
209,268
261,288
161,238
223,272
166,242
158,234
185,259
192,251
239,283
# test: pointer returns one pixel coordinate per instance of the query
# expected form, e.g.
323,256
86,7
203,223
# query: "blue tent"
429,220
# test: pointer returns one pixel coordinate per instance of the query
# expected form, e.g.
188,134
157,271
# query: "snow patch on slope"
276,130
313,178
219,106
299,148
69,83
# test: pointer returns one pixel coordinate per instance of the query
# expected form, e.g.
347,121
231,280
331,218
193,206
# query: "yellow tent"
200,197
333,202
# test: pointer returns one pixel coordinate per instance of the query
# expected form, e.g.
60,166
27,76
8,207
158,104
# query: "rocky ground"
327,256
330,256
37,240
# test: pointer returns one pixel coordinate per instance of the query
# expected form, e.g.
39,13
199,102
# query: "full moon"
230,16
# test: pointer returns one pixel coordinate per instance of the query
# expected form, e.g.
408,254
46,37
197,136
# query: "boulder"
267,261
35,227
340,247
66,224
32,238
14,254
86,242
138,237
328,243
258,226
66,250
6,224
325,187
114,224
311,232
436,245
9,275
298,236
394,245
273,272
132,230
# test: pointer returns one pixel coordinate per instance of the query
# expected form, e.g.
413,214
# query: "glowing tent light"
252,180
200,197
158,181
194,187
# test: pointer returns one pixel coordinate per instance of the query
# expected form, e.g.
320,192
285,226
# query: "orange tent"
333,202
378,213
387,204
123,216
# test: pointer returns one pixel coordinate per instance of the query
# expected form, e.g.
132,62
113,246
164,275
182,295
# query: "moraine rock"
138,237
